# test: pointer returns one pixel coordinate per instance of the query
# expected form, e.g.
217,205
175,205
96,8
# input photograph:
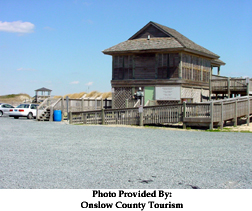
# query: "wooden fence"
71,105
205,114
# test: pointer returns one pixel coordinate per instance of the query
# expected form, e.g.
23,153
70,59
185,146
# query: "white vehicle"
5,108
24,110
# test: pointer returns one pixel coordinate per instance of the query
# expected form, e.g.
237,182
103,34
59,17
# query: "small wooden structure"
169,67
41,94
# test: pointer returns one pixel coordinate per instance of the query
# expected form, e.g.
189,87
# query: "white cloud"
17,27
75,82
89,83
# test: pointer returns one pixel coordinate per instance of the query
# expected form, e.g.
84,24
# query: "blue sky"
58,44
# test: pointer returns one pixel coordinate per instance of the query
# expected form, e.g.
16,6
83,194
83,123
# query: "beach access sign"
167,92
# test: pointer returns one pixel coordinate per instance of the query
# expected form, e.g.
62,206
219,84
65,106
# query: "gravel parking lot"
57,155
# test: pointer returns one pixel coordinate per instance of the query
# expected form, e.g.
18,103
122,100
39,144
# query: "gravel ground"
56,155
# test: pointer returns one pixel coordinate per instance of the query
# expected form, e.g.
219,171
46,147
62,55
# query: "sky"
58,44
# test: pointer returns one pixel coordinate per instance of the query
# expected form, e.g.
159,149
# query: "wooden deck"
230,86
201,114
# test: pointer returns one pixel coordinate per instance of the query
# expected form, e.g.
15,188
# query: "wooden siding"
195,68
152,31
145,66
122,67
168,65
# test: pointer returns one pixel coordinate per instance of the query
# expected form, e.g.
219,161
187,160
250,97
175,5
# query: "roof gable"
43,89
150,31
140,41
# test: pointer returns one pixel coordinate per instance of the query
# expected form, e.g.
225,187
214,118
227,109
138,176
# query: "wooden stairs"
45,116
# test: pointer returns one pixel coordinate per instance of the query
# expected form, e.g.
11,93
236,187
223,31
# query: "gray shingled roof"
144,44
43,89
175,40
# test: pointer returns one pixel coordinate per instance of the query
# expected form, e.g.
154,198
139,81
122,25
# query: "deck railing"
71,105
210,113
230,84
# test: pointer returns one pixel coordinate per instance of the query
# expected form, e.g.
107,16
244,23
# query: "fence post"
248,119
184,114
106,103
221,122
62,108
101,103
228,83
95,104
103,116
248,85
82,104
84,118
210,89
126,103
235,118
70,117
51,113
88,104
141,119
67,107
211,115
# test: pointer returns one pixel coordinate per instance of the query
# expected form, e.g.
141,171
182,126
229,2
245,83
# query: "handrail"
207,113
137,103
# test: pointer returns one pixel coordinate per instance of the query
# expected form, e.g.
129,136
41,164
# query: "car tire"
16,117
30,116
1,113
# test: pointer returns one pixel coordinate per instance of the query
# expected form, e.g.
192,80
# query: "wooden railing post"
62,108
103,116
221,121
70,117
248,85
248,119
184,115
51,113
235,112
141,119
210,89
211,115
228,83
85,118
82,104
101,103
126,103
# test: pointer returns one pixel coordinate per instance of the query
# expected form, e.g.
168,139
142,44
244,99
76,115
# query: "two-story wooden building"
168,66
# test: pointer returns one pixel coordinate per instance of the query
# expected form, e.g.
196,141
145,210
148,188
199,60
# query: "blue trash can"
57,115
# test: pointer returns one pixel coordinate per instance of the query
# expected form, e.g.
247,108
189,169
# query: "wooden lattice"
120,96
167,102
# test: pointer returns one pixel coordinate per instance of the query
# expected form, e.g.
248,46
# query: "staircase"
45,109
45,116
